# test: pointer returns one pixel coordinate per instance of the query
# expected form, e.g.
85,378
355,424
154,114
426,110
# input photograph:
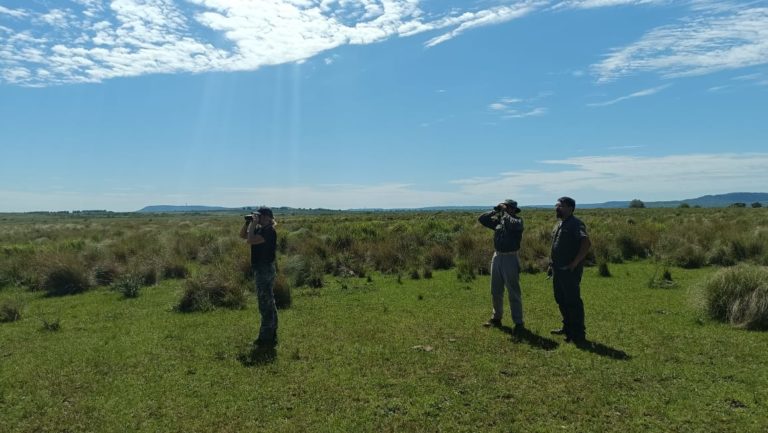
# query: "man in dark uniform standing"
570,245
505,265
259,232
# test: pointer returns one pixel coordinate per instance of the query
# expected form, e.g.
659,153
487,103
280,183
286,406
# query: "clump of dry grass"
739,296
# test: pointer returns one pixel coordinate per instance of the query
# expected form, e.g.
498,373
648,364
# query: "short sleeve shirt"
264,253
566,240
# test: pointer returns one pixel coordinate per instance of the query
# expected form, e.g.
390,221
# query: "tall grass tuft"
65,279
10,311
282,291
211,290
128,285
739,296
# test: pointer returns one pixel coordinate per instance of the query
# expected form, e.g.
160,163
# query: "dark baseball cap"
264,211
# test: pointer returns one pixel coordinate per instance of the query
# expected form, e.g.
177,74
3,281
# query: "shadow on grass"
525,335
256,356
603,350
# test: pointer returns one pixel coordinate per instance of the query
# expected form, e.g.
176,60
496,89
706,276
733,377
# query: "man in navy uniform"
570,245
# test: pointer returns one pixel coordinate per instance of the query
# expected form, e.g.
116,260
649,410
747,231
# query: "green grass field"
384,356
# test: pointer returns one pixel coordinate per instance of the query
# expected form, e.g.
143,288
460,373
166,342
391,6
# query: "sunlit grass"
382,355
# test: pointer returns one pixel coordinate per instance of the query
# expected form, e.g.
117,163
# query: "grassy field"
384,355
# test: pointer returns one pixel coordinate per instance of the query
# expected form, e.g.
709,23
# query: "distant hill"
193,208
718,200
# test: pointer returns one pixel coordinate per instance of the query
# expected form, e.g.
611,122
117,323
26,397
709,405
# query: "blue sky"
378,103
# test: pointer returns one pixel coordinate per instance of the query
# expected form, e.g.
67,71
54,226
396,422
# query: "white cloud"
601,178
718,39
492,16
591,4
641,93
538,111
16,13
518,108
91,43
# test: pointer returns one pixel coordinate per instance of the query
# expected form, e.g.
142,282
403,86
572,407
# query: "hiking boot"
519,329
559,331
493,323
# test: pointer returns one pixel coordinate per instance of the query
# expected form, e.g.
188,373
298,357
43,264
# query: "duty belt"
508,253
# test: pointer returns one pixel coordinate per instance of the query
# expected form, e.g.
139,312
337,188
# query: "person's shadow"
256,356
603,350
525,335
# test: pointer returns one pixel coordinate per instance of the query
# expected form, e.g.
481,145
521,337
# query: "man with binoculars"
505,265
259,232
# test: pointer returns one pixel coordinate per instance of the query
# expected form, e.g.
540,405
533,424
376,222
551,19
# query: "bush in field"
51,325
105,274
440,257
146,270
602,269
739,296
174,270
307,271
211,290
282,291
387,256
10,311
65,279
473,256
128,285
427,273
689,256
630,246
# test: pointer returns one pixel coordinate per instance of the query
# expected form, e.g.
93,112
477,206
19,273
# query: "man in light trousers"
505,265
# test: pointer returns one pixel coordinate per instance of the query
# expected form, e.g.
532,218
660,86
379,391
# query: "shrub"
415,274
128,285
51,325
65,279
105,274
689,256
630,246
602,269
10,311
427,273
663,281
305,271
719,255
739,296
174,270
282,291
473,257
209,291
440,257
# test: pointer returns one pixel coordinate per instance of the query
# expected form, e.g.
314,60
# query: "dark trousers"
567,289
264,276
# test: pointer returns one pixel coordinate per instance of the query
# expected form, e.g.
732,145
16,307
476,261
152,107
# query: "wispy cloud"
16,13
488,17
518,108
591,4
641,93
715,39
